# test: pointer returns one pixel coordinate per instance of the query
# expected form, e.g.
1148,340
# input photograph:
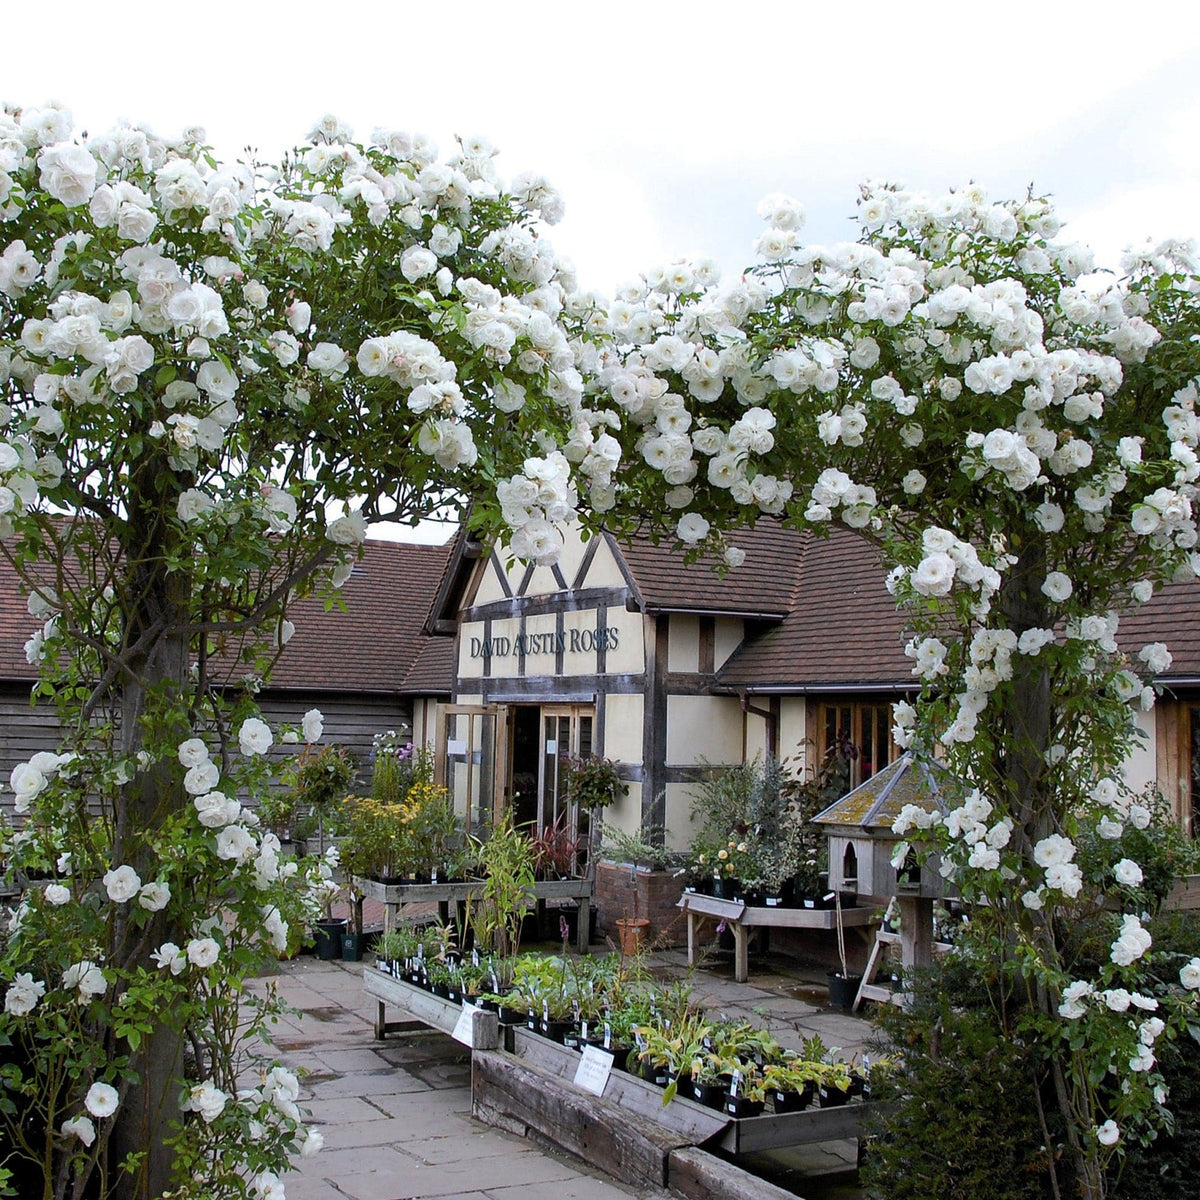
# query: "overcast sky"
664,124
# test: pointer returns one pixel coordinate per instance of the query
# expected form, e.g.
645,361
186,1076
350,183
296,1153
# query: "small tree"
213,377
1020,443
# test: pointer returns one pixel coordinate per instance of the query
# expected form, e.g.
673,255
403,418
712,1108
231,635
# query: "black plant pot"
786,1102
511,1016
555,1030
656,1073
739,1107
711,1095
843,989
352,947
832,1097
328,938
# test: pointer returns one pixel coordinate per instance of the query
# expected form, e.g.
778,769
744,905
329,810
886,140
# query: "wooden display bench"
394,897
523,1082
740,918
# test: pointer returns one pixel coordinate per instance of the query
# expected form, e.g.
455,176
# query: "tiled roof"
370,647
1172,616
843,631
762,585
432,671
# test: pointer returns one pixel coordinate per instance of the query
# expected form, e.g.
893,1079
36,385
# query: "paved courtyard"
396,1115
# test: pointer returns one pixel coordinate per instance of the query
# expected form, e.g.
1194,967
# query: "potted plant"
592,782
646,851
507,859
317,778
555,851
843,986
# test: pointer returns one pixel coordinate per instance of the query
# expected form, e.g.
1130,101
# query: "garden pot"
352,947
511,1016
726,889
555,1030
786,1102
831,1097
711,1095
658,1074
328,937
632,931
739,1107
843,989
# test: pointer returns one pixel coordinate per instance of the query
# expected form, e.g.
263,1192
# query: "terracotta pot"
632,932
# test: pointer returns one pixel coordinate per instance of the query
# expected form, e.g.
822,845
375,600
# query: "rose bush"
212,377
1018,435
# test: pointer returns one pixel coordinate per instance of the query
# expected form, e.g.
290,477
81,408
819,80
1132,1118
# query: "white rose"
122,884
416,262
692,528
1108,1134
1128,873
313,725
23,994
934,575
101,1100
349,530
255,737
203,952
193,752
201,778
56,894
68,173
1057,586
1189,975
80,1127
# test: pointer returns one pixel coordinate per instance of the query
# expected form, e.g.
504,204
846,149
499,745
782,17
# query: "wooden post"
916,930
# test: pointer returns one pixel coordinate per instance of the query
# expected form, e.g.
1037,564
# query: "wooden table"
395,896
740,918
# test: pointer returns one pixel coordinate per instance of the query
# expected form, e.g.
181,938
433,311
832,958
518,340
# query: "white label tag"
464,1025
595,1066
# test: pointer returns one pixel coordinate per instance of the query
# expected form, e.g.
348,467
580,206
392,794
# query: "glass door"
471,761
566,733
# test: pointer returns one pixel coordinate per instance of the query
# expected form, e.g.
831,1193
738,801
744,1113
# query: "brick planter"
651,894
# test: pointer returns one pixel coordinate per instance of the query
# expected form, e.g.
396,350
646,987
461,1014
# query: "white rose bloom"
416,262
235,843
68,173
87,977
1072,1006
934,575
1109,829
1057,586
913,483
101,1100
169,955
692,528
1128,873
23,994
255,737
192,753
154,897
1189,975
56,894
1132,943
313,725
206,1099
1108,1134
80,1127
348,530
201,778
203,952
1156,657
122,884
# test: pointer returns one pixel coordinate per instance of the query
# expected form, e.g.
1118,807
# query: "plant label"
595,1066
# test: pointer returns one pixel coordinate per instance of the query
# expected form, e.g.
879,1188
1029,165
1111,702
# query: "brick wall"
655,896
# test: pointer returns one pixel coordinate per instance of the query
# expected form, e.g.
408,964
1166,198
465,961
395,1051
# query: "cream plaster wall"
683,644
488,587
728,636
703,727
792,731
1141,767
604,571
626,813
679,821
623,727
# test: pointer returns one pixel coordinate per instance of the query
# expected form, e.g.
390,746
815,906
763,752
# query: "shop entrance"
544,737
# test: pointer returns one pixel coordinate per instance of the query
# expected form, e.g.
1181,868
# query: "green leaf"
164,375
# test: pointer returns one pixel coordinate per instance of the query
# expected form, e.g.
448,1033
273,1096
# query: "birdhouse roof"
874,805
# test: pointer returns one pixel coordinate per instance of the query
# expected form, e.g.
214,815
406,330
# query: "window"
862,736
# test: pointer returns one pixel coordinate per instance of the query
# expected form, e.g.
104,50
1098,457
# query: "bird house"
861,841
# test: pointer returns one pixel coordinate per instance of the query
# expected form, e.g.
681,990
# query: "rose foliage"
1018,434
212,376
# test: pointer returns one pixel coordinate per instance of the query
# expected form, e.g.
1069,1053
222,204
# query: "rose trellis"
213,376
1018,435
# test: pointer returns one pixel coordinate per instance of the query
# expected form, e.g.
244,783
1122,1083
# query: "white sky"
664,124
